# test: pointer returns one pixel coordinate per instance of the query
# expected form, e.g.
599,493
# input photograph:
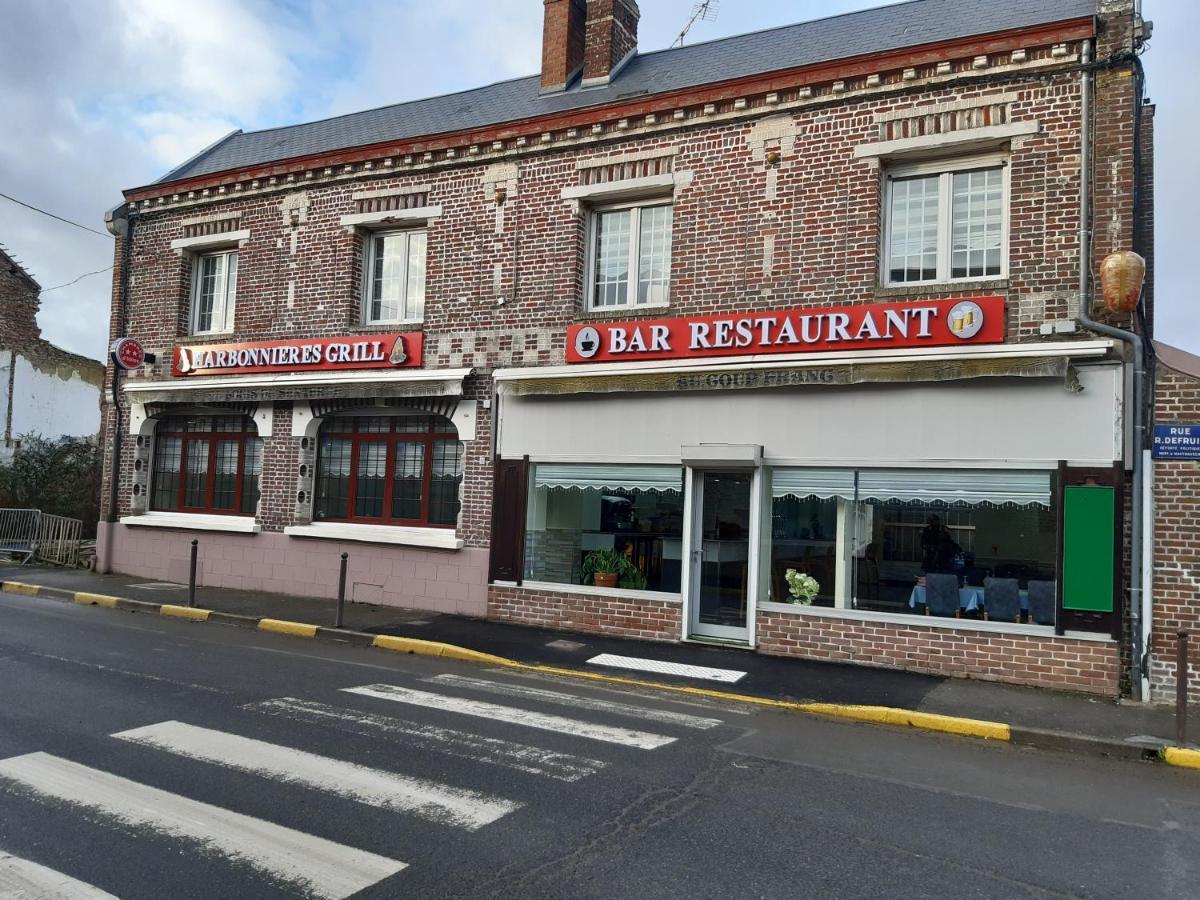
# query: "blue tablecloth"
969,598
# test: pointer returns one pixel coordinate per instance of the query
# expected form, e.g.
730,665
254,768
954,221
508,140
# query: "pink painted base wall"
449,581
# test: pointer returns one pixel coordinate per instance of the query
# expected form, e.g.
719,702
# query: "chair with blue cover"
1042,602
941,595
1001,600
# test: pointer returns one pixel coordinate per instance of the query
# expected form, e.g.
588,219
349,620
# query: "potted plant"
803,588
608,568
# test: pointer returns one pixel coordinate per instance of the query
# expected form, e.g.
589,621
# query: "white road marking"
99,667
546,722
730,676
463,744
428,799
21,879
310,863
593,703
711,704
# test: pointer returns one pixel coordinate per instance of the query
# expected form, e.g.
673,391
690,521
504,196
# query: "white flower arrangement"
803,588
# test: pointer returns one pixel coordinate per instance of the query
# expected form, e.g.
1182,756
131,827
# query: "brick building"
43,389
804,299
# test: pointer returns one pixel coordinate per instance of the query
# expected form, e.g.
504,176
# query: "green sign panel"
1089,520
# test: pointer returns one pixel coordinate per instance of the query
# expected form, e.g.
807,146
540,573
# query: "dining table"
970,598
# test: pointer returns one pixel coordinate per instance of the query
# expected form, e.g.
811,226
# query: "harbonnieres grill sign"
368,351
923,323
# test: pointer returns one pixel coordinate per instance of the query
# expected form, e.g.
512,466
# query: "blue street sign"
1176,442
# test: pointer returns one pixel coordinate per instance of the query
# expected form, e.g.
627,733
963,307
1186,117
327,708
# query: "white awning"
608,478
969,486
824,484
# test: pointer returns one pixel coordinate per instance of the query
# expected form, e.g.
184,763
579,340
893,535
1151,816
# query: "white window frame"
635,240
945,169
368,269
222,313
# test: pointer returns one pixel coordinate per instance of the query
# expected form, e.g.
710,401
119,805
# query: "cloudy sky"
100,95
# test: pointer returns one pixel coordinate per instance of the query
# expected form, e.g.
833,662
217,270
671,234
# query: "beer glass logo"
587,342
966,319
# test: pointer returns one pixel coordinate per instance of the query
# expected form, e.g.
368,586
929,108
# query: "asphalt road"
142,757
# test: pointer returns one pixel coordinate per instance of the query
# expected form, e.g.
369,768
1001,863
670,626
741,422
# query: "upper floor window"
207,464
946,222
629,257
394,276
394,470
214,291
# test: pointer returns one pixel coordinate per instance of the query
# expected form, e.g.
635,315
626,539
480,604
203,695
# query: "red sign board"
366,351
128,353
922,323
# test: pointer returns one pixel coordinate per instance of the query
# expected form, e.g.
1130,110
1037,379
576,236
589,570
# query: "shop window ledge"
921,621
439,538
194,522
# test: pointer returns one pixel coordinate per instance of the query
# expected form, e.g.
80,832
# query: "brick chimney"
563,31
611,39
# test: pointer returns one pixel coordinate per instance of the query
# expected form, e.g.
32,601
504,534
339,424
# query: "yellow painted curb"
885,715
96,599
282,626
184,612
436,648
1179,756
18,587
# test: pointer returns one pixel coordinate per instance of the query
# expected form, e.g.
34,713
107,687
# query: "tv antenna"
703,11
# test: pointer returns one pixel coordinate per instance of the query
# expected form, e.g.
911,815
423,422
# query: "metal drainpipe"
1139,378
114,220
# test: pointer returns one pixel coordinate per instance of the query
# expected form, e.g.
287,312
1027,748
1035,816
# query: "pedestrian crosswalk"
313,863
397,781
629,737
22,878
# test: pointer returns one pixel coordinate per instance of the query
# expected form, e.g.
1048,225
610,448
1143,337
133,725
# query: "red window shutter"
509,492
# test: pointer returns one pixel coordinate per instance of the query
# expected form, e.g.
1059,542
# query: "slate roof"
870,31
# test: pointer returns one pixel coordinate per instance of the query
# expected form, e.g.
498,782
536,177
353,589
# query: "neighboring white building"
43,388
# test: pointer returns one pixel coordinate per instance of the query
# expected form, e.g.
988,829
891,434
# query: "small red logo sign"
129,353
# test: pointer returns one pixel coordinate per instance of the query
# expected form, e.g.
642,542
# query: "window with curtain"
945,225
206,464
389,470
891,528
394,276
636,511
630,256
804,519
975,525
214,292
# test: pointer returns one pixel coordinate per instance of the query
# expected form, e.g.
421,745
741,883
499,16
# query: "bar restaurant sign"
924,323
367,351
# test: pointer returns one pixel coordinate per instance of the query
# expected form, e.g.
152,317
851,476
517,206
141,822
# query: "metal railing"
31,534
18,532
58,540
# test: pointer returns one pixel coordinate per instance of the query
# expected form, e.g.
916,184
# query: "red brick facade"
651,620
777,211
1176,541
1087,666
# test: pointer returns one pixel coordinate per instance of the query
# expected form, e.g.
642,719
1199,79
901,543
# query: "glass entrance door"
720,556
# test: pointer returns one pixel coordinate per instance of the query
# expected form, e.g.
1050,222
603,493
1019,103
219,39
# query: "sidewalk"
770,677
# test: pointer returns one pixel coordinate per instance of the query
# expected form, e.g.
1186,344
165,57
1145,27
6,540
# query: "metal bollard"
192,575
337,622
1181,689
